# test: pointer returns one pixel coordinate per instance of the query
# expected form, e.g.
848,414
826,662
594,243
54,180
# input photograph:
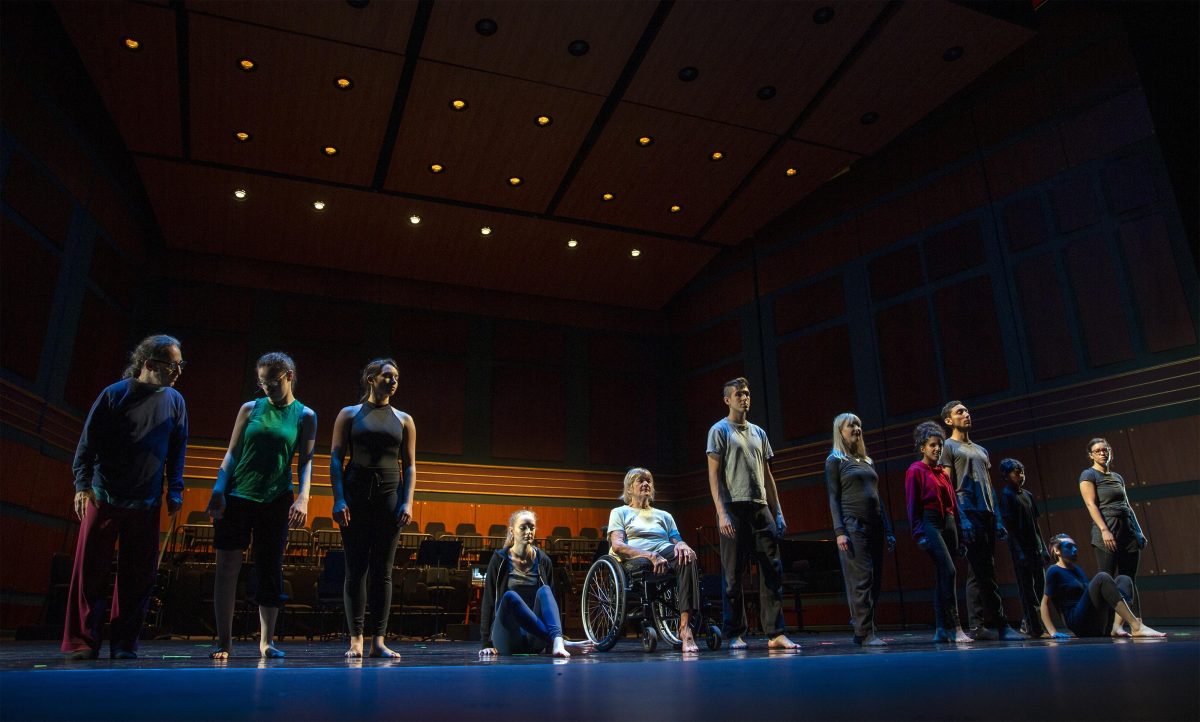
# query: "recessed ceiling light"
869,118
572,243
645,140
486,27
458,104
606,197
823,15
343,83
485,231
330,150
436,168
790,172
543,120
132,44
248,65
242,136
952,54
319,205
688,74
414,219
717,155
515,181
766,92
635,253
578,48
240,193
676,208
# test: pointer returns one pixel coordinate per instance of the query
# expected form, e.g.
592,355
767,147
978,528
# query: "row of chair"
434,529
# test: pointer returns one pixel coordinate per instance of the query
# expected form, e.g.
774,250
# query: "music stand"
438,553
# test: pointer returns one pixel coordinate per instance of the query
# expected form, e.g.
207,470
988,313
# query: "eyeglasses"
273,383
176,366
1100,451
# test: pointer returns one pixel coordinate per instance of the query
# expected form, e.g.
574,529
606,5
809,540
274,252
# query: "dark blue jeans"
517,629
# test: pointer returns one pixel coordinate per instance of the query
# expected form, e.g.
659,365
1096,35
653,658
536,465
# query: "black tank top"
376,438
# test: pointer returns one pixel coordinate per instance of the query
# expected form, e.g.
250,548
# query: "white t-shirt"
648,530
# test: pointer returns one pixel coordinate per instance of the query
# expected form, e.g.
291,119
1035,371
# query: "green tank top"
264,469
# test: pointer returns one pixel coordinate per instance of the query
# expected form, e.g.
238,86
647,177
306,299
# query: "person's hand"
488,653
403,515
1002,533
968,533
174,504
1110,541
891,542
726,527
1142,541
684,554
82,500
660,563
341,512
780,524
923,542
1020,556
298,514
216,505
843,542
962,550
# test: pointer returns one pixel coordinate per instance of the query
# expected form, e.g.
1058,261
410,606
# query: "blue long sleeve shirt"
133,433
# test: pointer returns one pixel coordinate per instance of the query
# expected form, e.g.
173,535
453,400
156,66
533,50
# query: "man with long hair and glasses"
136,430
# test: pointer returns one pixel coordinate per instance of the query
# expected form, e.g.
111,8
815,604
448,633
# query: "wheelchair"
616,593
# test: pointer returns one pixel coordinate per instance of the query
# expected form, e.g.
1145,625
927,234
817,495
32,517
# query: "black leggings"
1118,564
687,581
942,533
370,542
1093,614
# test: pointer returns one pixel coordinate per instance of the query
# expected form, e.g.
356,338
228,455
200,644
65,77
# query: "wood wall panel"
1025,222
101,351
972,350
28,277
703,407
1073,200
623,420
722,340
434,391
1165,452
437,334
528,413
38,199
1158,295
1051,347
1130,183
896,272
216,383
1061,462
816,381
528,342
809,305
955,249
908,360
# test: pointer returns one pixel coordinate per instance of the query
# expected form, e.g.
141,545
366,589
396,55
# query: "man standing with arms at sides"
136,429
980,524
749,517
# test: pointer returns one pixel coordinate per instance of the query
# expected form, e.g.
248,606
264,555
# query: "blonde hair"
509,539
839,444
631,478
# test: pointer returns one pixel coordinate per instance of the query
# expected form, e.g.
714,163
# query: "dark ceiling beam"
427,199
182,46
412,55
868,36
614,98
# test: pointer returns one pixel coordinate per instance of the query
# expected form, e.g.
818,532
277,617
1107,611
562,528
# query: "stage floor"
830,678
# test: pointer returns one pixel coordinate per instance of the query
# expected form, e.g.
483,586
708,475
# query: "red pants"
137,565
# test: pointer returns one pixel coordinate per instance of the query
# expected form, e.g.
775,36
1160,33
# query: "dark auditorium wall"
1020,249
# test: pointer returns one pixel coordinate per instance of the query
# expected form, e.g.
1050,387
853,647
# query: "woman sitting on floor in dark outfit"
1090,608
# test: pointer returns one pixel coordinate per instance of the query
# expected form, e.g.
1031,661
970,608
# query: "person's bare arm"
1088,491
216,503
724,521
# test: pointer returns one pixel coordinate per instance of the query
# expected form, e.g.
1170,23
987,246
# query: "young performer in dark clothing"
861,523
1117,537
1029,556
932,509
372,498
252,498
749,517
518,614
136,429
1088,606
979,522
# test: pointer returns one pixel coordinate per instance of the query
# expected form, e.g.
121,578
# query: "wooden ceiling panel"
140,88
675,170
289,104
772,191
740,47
380,25
901,76
494,139
370,232
531,39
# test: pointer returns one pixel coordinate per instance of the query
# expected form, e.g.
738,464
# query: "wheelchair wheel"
714,638
603,603
649,639
666,621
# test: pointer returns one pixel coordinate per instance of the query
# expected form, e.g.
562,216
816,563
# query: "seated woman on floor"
518,614
1090,608
640,534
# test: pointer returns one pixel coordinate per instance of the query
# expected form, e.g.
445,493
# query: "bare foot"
689,642
961,637
872,641
583,646
356,646
1119,632
1144,632
782,642
381,650
738,643
219,652
268,651
559,649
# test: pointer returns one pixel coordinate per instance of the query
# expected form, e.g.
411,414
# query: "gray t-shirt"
969,463
647,530
743,451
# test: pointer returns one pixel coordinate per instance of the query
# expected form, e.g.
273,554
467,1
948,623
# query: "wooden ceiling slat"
379,25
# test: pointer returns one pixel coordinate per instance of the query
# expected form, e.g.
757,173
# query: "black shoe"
80,655
983,634
123,654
